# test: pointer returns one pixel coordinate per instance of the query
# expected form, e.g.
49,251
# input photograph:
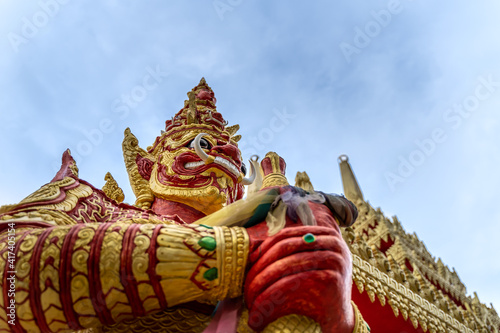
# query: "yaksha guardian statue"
191,255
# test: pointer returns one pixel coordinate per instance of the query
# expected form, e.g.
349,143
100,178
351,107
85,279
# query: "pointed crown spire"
198,109
199,114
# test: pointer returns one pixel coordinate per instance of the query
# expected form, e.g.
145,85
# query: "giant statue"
193,254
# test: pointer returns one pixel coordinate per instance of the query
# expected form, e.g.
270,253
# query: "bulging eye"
244,169
204,144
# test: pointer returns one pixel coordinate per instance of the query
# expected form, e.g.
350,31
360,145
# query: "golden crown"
200,111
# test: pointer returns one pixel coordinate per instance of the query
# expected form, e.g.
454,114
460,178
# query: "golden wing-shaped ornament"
50,204
140,186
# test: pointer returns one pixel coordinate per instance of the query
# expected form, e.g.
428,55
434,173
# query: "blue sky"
410,90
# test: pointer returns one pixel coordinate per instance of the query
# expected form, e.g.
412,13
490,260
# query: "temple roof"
393,253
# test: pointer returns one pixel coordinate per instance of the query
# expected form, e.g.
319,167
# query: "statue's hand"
303,270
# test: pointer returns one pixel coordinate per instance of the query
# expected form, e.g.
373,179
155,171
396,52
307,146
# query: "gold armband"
232,259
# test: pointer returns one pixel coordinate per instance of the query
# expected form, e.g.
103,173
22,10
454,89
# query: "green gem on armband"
208,243
206,226
211,274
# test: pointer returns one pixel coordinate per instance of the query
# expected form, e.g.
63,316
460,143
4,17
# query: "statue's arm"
89,275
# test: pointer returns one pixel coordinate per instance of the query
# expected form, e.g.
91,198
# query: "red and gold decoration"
194,255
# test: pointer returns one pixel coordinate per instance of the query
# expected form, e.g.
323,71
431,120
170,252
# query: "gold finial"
302,180
112,190
351,186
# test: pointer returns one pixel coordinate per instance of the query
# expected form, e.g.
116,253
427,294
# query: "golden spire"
351,186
